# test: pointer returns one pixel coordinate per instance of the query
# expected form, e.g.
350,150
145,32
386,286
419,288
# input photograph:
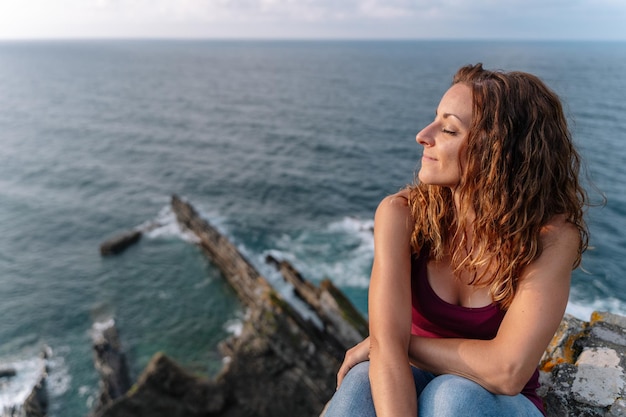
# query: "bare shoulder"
399,200
561,245
560,232
393,214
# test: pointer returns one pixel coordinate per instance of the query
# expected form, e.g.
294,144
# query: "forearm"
392,384
485,362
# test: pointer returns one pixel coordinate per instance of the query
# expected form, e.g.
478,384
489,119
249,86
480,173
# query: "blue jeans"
438,396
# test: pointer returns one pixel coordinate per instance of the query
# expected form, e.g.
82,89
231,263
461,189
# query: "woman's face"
444,139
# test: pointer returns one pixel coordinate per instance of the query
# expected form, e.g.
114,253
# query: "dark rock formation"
110,362
280,354
165,389
118,244
282,364
7,372
36,404
583,368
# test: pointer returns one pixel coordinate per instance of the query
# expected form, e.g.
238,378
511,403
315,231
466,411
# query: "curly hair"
520,170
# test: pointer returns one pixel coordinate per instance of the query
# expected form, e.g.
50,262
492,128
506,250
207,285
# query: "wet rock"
7,372
119,243
110,362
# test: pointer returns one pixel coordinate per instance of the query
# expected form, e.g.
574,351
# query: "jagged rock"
344,325
7,372
36,404
110,362
165,389
583,368
274,359
118,244
284,353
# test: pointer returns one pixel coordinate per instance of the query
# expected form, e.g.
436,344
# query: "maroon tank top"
434,317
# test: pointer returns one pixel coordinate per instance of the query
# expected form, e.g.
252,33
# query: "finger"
341,374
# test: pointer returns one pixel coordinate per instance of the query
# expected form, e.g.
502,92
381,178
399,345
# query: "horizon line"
300,39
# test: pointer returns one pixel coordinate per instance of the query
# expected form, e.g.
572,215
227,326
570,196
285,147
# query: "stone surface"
583,368
600,366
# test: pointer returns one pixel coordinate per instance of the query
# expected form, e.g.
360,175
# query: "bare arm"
504,364
390,311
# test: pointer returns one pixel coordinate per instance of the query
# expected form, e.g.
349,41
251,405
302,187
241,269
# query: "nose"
424,137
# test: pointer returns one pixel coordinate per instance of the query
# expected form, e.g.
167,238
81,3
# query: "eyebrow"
446,115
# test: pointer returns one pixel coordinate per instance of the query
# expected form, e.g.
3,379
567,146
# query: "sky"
314,19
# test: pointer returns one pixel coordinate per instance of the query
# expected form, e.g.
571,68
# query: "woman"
472,265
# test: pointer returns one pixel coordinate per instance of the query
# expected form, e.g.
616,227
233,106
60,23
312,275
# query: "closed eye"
448,132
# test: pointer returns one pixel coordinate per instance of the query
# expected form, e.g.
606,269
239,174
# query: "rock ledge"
582,370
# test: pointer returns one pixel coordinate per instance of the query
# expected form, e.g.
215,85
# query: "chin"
424,178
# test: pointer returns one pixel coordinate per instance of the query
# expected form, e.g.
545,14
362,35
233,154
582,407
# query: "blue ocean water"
286,146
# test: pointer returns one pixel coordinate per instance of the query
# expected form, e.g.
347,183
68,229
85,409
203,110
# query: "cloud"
312,18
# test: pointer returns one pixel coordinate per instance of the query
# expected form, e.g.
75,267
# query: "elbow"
510,388
512,379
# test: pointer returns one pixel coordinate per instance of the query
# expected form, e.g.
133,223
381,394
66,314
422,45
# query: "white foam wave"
234,326
99,327
29,370
59,379
89,393
342,251
583,309
165,225
16,389
356,225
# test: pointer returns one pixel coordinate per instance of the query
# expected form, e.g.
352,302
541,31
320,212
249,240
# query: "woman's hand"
354,355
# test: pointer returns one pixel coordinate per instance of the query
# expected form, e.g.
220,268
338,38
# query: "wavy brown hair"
520,170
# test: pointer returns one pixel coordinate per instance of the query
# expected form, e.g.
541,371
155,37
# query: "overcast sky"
315,19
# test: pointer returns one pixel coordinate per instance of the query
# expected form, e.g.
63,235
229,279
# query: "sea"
285,146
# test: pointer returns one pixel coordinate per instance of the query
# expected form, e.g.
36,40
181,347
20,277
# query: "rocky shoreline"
284,362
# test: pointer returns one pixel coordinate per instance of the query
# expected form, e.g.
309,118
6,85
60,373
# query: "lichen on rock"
583,367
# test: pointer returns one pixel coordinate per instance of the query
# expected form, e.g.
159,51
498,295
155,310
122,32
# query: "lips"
428,158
